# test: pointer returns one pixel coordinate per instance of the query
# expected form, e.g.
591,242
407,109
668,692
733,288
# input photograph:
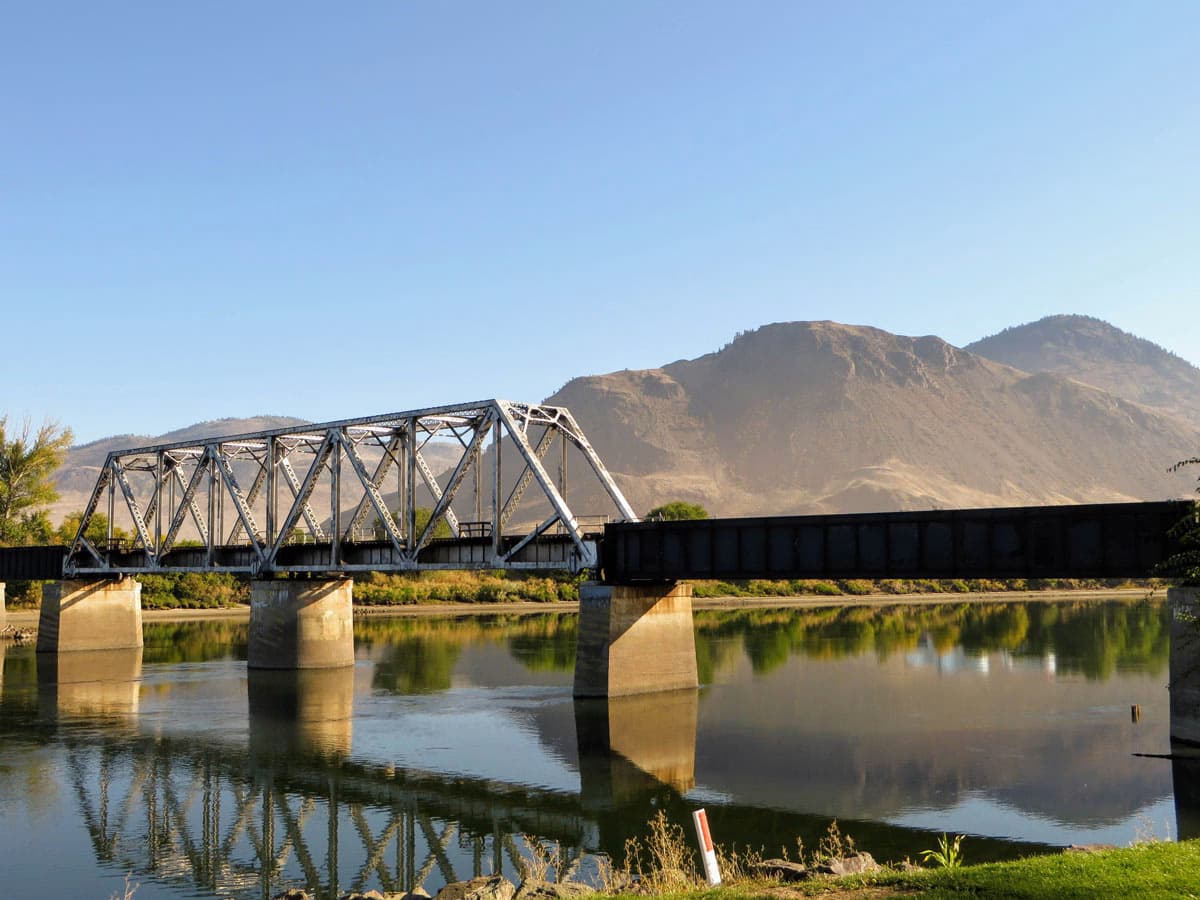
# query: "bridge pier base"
90,615
301,624
1185,664
634,639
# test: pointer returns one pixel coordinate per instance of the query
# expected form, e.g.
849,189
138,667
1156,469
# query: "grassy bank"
1155,870
663,863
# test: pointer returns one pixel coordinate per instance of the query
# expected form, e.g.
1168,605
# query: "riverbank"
27,618
1150,870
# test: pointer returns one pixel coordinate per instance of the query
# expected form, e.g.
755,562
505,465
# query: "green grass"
1145,871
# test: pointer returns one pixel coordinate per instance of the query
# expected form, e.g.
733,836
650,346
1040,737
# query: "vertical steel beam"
497,487
410,509
335,498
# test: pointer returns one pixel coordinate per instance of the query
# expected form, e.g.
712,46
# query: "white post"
707,852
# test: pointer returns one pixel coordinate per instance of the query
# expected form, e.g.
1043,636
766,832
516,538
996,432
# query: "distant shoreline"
28,618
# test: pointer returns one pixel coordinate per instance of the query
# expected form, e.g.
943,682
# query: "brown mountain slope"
821,417
1100,354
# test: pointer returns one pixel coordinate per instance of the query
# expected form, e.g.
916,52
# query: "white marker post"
711,871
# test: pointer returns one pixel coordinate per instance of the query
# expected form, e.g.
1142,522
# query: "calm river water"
454,744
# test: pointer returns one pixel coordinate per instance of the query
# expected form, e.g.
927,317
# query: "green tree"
677,510
422,516
27,461
97,530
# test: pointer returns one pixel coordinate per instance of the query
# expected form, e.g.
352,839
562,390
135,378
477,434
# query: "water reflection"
90,683
307,712
1008,721
635,746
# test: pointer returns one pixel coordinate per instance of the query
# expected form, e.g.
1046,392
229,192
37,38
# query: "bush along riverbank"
192,590
663,864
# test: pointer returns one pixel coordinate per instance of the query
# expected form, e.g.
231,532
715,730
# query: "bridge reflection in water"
289,808
247,805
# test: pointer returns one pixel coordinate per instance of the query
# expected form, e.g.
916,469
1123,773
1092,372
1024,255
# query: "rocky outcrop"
486,887
532,889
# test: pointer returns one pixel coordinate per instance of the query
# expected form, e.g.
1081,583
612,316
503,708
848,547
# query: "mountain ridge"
823,417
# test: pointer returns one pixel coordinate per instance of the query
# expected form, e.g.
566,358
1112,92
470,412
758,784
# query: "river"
453,746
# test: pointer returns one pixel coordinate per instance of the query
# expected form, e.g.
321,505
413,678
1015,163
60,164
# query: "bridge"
249,504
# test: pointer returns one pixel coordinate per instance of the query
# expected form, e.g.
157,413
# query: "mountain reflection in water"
454,742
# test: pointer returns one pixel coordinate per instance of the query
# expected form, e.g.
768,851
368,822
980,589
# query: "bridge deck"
1111,540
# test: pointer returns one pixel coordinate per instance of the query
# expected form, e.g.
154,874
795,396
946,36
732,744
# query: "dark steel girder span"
1108,540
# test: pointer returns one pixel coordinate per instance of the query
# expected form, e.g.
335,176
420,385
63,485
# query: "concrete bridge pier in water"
90,615
301,624
635,639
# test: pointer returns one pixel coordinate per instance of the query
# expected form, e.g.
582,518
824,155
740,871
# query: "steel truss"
215,504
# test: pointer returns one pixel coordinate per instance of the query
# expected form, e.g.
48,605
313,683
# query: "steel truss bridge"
248,503
344,496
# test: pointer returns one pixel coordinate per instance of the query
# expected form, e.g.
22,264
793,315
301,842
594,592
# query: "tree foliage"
1184,564
678,510
28,459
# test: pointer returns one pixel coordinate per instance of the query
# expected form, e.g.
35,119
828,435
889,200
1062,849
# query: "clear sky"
326,210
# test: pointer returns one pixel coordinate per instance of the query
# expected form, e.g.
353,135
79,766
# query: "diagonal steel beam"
382,469
81,541
293,483
135,511
256,486
373,495
239,502
187,502
300,505
431,482
518,491
577,437
544,480
470,455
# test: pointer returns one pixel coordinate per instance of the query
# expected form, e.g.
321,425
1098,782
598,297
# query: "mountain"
809,417
1096,353
813,417
77,476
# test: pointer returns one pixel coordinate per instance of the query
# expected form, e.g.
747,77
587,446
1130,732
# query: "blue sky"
320,210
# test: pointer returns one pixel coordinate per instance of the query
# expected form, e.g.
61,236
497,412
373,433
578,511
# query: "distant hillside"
820,417
809,417
77,476
1100,354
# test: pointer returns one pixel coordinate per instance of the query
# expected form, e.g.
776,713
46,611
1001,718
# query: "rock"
854,864
293,894
489,887
532,889
783,869
415,894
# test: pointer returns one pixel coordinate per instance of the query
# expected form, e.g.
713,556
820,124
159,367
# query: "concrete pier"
301,624
1185,664
3,612
90,615
634,640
